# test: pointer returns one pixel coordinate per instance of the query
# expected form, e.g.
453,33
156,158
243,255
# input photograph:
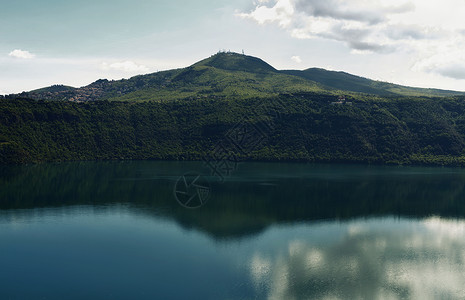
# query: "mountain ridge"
226,75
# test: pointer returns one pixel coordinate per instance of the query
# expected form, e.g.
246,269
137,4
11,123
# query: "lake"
130,230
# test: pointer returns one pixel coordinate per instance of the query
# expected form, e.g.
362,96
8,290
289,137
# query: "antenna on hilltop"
243,52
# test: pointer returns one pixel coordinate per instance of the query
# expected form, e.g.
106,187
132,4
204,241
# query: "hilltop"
236,62
229,75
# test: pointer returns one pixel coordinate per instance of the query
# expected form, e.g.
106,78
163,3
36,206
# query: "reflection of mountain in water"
257,196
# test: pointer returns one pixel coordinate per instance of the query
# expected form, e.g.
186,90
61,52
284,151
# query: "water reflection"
256,197
375,259
271,231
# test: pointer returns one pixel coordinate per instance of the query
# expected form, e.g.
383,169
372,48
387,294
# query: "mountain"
229,75
347,82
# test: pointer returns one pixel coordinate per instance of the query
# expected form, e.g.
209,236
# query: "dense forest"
314,127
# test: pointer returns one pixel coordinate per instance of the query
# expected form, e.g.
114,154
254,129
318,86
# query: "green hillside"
228,75
341,81
298,127
199,81
348,82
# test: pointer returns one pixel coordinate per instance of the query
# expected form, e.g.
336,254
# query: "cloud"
361,25
371,12
125,66
445,59
18,53
281,13
431,35
457,72
297,59
415,32
445,64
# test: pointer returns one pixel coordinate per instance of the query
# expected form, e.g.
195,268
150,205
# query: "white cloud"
431,34
362,25
18,53
296,59
125,66
281,13
446,58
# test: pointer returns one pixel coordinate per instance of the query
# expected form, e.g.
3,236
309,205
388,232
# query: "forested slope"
297,127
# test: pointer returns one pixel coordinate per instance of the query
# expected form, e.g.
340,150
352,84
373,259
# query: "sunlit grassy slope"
348,82
231,76
222,75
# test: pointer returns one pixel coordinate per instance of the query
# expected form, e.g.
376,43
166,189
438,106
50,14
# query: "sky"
410,42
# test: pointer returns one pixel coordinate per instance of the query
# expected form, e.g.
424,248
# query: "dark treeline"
299,127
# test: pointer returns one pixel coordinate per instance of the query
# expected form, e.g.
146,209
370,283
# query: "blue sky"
411,42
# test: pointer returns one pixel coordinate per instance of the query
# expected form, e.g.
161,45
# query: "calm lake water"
114,230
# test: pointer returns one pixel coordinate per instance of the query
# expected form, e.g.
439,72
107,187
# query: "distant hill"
54,89
229,75
347,82
341,81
